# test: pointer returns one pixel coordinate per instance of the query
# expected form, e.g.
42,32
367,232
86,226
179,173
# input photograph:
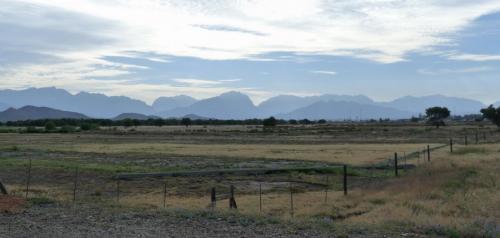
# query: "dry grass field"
455,194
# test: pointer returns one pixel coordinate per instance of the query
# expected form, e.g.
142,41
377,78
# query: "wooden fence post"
164,195
466,141
260,197
232,201
3,189
28,179
396,164
291,199
118,191
484,136
213,198
477,138
75,185
345,180
326,190
428,153
451,145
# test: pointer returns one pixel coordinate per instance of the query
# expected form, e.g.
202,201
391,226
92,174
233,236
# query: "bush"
89,127
67,129
270,122
50,126
32,129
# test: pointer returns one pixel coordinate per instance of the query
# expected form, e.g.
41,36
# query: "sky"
145,49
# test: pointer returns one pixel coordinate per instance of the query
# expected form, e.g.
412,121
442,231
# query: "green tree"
186,121
128,122
436,115
493,114
50,126
269,122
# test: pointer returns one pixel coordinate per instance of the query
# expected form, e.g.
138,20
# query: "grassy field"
456,194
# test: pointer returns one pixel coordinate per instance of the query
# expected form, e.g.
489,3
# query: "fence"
253,187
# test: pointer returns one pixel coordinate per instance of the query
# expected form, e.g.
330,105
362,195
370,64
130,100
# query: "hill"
168,103
231,105
288,103
458,106
35,113
333,110
92,104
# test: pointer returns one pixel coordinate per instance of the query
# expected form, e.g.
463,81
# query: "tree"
269,122
50,126
436,115
186,121
493,114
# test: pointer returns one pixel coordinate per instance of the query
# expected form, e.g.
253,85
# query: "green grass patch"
72,164
469,150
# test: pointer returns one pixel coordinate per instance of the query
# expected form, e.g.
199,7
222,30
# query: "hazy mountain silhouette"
168,103
288,103
134,116
4,106
91,104
458,106
335,110
34,113
231,105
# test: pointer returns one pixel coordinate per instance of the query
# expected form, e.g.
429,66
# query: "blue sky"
145,49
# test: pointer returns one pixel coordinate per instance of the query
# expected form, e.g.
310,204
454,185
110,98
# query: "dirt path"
61,221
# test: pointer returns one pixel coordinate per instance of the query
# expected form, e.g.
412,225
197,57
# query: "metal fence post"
345,180
396,164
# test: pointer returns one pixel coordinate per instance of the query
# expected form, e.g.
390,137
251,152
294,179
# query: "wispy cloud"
196,82
474,57
324,72
227,29
454,71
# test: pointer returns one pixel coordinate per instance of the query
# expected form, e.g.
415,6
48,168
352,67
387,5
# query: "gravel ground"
62,221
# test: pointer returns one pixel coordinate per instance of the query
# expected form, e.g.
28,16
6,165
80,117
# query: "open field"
454,194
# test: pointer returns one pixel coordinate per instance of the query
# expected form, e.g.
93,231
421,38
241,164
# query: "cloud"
197,82
474,57
455,71
72,39
324,72
383,31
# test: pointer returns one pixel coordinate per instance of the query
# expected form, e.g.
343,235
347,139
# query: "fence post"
213,198
164,195
75,185
428,153
466,141
451,145
396,164
326,189
291,199
3,189
118,190
232,201
260,197
345,180
477,138
28,179
484,136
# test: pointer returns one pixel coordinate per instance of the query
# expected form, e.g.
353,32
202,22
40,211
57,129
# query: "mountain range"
234,105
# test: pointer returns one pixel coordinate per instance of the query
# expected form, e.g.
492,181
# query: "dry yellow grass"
455,194
354,154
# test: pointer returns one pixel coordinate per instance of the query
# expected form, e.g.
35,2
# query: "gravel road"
63,221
